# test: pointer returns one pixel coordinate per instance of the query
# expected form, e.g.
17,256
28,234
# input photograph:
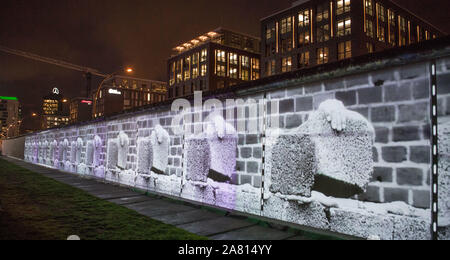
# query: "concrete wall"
394,203
14,147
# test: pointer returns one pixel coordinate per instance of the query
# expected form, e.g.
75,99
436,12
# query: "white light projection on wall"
210,163
123,146
99,169
62,153
54,153
311,173
159,140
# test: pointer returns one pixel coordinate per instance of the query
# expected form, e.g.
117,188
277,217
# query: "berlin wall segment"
346,155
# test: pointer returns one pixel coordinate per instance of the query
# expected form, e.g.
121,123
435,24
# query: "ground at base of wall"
35,207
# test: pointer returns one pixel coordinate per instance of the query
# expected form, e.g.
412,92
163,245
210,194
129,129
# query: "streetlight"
108,77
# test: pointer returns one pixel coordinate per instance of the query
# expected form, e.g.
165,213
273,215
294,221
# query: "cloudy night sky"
106,35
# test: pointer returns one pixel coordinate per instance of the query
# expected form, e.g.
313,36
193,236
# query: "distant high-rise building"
316,32
55,110
9,116
121,93
215,60
80,110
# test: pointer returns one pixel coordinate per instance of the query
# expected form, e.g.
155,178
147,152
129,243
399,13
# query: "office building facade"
316,32
215,60
9,116
55,110
80,110
122,93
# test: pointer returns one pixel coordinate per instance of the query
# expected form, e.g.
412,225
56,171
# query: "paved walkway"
183,215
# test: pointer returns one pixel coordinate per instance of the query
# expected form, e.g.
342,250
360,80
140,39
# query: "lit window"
255,75
392,40
233,73
303,59
172,74
204,55
369,7
286,25
220,56
343,6
381,34
269,32
304,38
369,28
286,45
203,70
245,62
391,17
245,75
233,59
381,11
195,57
303,19
286,64
402,28
187,75
194,72
322,55
344,50
323,12
402,24
255,64
323,33
344,27
220,70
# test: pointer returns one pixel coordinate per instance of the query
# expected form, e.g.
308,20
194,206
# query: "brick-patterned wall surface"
396,102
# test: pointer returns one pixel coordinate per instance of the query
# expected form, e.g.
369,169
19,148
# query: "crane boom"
59,63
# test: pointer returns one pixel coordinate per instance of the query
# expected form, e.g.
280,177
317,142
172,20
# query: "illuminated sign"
114,92
55,91
86,102
8,98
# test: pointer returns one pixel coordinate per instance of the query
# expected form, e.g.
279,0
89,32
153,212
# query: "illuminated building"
80,110
55,110
121,93
314,32
9,116
215,60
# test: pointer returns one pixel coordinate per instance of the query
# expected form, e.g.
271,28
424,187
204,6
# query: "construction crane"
88,72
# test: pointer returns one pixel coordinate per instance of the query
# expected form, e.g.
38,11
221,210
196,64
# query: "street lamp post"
108,77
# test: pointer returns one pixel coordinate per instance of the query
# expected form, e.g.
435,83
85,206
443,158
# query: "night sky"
106,35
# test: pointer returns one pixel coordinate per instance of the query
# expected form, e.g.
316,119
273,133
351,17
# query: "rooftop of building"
210,36
53,97
136,79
